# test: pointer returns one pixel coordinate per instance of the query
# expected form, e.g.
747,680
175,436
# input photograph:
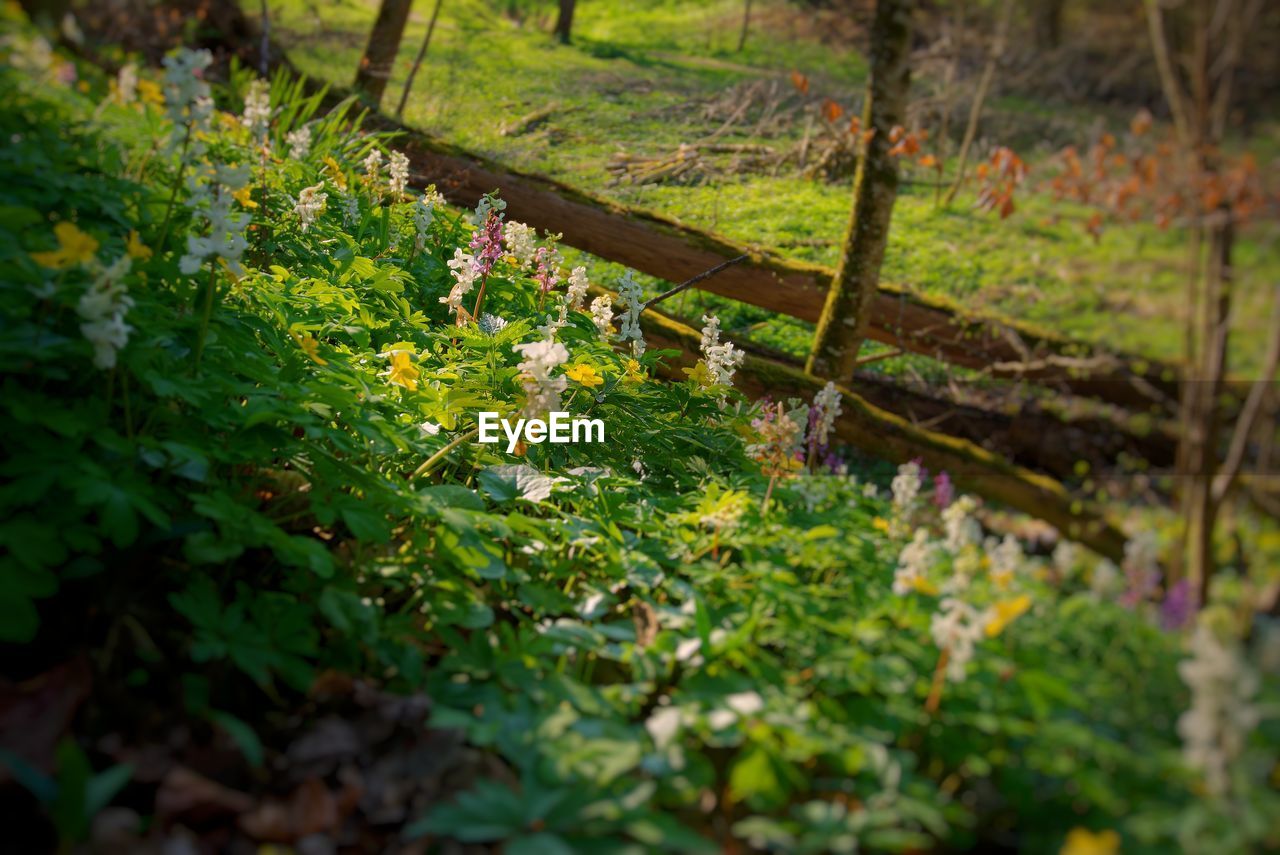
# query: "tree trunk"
1202,433
746,25
1046,23
564,22
417,60
846,313
380,52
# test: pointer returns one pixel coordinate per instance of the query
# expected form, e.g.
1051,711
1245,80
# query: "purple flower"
1178,606
486,244
546,274
943,491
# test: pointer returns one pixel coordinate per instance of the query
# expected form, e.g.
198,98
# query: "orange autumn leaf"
800,82
832,110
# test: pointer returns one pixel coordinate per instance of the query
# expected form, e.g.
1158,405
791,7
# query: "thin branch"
417,61
689,283
1168,78
975,109
1252,407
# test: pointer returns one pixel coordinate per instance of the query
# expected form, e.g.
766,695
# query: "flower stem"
442,453
475,313
939,678
173,195
764,506
205,312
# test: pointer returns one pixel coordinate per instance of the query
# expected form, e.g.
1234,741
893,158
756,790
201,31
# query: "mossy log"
891,437
664,247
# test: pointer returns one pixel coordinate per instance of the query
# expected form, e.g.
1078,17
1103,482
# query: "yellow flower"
700,374
880,524
924,586
1006,612
339,178
584,374
311,348
244,196
403,372
74,247
136,248
633,372
150,92
1082,841
83,86
1003,579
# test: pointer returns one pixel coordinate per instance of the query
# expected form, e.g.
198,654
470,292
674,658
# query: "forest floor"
646,77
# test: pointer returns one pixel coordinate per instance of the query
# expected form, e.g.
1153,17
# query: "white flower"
578,285
914,563
1064,558
906,486
424,214
602,315
542,391
399,169
127,83
827,403
373,170
463,267
519,240
1007,558
429,428
1222,714
487,203
722,359
309,205
103,308
257,109
956,627
1105,578
187,99
350,209
630,294
961,528
299,142
213,198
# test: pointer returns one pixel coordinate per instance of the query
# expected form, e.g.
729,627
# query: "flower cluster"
577,291
630,294
547,268
542,391
311,202
257,110
486,245
520,241
424,214
720,359
212,195
187,98
103,308
1222,712
299,141
602,315
463,268
398,178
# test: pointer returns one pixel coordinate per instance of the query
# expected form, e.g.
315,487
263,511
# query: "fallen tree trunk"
893,438
670,250
663,247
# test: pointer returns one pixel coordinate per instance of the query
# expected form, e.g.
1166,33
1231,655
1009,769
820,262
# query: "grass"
637,78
